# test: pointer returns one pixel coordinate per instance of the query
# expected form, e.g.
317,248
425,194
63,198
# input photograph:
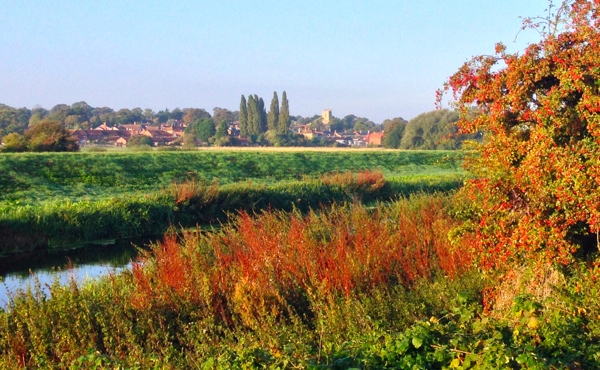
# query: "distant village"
170,134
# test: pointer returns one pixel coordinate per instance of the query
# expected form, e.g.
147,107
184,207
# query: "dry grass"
538,282
292,149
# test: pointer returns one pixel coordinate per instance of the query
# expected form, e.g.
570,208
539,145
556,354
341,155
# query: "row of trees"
255,121
428,131
432,130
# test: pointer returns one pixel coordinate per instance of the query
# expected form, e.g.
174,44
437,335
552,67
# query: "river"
87,261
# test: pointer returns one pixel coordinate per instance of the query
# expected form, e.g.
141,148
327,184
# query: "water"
85,262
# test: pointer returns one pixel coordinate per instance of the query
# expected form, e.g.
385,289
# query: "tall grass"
285,258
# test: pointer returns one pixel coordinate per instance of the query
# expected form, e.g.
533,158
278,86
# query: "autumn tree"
537,171
14,142
50,136
194,114
223,115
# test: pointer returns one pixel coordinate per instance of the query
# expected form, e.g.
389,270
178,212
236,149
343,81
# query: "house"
135,128
158,137
233,130
375,138
104,127
81,136
99,137
344,141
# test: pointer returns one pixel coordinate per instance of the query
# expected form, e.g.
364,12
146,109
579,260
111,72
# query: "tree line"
431,130
82,116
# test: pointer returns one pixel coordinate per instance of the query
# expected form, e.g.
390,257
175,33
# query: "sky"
377,59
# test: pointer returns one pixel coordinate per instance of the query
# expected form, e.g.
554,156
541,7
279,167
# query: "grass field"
55,200
34,178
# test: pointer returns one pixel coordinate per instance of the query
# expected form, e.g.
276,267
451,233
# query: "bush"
535,188
50,136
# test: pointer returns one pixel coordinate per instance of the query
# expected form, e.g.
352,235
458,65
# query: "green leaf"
522,358
417,342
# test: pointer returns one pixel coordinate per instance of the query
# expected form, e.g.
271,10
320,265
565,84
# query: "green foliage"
203,129
284,116
433,130
273,117
203,310
394,131
139,140
13,120
280,290
254,115
221,130
243,117
190,141
91,176
60,224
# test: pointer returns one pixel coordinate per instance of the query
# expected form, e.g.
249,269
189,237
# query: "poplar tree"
253,116
263,116
284,116
243,118
273,117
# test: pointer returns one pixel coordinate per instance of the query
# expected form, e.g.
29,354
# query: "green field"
33,178
59,200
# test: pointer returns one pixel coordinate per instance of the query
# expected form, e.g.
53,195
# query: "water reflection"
86,262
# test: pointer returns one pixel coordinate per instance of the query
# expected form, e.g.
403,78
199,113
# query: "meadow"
59,200
34,178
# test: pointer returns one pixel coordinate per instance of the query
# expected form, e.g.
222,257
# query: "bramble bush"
537,171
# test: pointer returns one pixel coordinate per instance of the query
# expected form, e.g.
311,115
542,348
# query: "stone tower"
326,116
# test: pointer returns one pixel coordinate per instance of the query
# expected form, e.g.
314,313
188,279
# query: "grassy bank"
349,287
34,178
61,224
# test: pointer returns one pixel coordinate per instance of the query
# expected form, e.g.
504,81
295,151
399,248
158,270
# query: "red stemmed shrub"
275,261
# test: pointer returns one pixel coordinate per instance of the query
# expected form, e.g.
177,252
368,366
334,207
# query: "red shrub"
260,263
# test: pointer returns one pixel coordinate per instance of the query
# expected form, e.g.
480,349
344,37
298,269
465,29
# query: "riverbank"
350,287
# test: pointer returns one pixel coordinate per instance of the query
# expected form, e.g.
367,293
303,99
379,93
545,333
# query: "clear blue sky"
373,58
